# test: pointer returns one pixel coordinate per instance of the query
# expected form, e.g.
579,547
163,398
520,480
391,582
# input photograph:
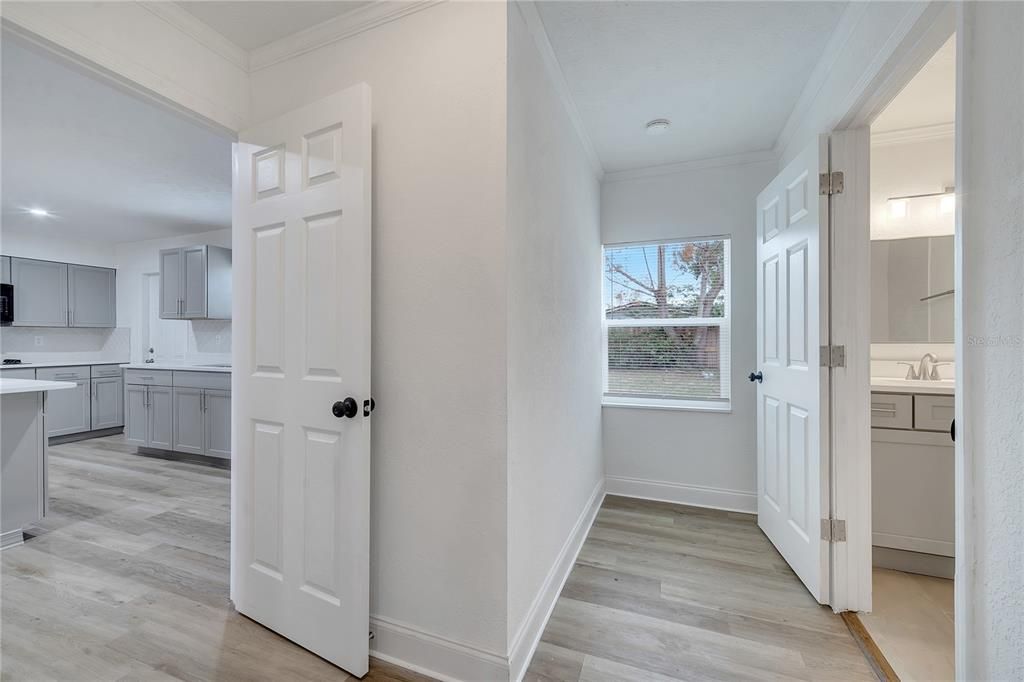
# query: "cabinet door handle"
886,410
202,401
71,316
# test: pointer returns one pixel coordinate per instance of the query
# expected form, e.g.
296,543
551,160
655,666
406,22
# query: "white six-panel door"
792,400
300,474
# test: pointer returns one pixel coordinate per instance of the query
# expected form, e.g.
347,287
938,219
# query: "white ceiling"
251,24
110,166
929,98
727,74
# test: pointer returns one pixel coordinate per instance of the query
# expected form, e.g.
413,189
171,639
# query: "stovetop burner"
12,361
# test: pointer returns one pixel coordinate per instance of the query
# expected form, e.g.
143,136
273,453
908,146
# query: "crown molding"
187,23
834,49
767,156
939,131
331,31
535,26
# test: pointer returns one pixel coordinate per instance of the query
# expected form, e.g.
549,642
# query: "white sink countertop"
78,363
10,386
179,367
896,385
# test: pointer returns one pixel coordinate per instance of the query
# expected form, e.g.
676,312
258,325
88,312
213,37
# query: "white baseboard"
693,495
431,655
11,538
526,639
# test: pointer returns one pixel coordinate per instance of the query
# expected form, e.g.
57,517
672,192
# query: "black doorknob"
756,376
345,408
952,430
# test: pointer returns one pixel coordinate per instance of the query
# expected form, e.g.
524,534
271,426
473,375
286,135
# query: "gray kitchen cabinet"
107,402
136,415
188,420
217,414
5,269
92,296
69,411
195,283
18,373
161,418
41,293
148,416
170,283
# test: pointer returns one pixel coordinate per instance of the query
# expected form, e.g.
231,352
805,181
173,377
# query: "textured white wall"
438,80
554,329
990,367
697,457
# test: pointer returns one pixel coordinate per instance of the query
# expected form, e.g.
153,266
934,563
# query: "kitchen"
116,298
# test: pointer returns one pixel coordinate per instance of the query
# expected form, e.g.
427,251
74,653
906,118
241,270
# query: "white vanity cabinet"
912,480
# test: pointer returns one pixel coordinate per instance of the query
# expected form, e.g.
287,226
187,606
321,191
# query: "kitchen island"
23,443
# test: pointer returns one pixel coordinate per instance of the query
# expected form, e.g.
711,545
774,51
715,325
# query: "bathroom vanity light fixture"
918,215
658,126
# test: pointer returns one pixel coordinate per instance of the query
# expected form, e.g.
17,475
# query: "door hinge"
833,530
833,356
830,183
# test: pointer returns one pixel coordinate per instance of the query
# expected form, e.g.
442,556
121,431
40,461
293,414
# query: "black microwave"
6,304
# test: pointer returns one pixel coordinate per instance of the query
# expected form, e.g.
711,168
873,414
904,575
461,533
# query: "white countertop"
895,385
177,367
9,386
80,363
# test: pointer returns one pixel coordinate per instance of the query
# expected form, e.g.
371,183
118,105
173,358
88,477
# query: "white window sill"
678,405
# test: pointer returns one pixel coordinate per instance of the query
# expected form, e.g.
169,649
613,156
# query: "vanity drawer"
933,412
147,377
63,374
892,411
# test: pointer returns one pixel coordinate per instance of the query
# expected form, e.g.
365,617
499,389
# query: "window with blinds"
666,319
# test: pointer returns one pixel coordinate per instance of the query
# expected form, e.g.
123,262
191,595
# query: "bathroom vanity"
912,475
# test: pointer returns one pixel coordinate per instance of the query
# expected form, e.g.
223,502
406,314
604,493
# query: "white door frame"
850,315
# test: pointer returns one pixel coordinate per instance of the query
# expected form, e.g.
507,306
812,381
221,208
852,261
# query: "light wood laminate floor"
912,624
127,578
666,592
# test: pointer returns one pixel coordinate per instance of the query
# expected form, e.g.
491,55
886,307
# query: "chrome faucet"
911,371
926,368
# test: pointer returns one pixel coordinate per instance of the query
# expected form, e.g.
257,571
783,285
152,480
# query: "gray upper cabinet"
92,294
170,283
52,294
195,283
5,269
107,402
41,293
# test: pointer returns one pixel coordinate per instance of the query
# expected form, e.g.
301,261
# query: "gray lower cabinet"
5,269
107,403
202,421
92,294
19,373
136,415
188,420
149,416
217,410
40,293
69,411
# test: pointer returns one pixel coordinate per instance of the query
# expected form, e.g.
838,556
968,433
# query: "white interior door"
792,399
301,315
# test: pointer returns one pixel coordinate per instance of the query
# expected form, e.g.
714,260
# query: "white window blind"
666,317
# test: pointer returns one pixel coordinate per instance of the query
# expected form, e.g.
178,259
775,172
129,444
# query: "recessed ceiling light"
39,212
658,126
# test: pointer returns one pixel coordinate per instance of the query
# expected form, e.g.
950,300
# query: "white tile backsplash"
209,341
885,358
42,344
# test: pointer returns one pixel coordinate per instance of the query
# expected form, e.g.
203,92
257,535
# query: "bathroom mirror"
912,290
